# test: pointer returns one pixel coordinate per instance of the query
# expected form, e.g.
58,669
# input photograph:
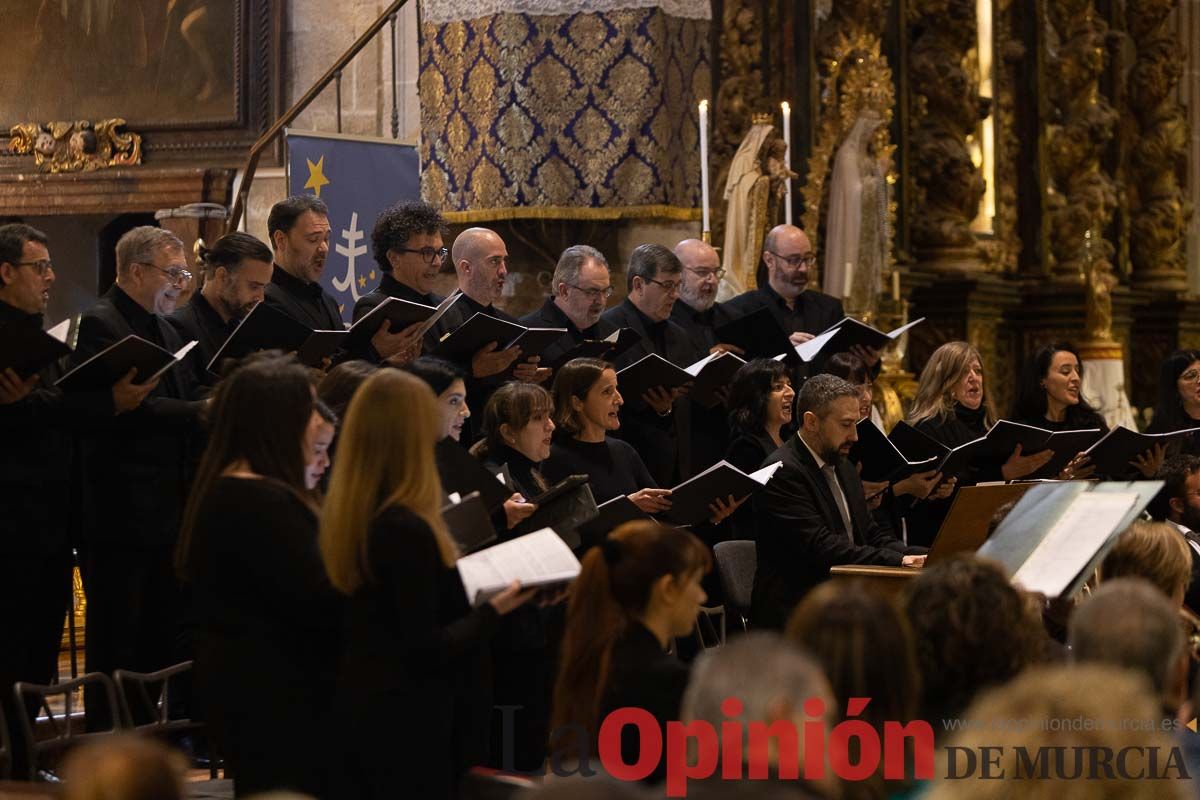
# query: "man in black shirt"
138,466
657,424
579,291
1179,504
36,424
237,270
407,240
299,230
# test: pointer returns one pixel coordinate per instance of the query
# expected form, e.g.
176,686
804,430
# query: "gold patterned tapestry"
570,115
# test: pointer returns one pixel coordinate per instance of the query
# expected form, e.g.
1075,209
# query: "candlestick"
787,160
704,164
896,285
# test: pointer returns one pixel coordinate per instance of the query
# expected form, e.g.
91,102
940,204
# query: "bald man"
481,263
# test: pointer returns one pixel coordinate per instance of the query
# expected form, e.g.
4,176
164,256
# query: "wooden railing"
332,75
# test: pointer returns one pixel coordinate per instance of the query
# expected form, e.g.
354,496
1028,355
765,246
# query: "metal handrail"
333,73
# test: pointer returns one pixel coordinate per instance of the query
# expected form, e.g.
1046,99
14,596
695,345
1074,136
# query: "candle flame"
786,108
704,105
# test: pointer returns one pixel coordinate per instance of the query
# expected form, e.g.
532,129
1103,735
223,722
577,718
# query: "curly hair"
399,223
973,630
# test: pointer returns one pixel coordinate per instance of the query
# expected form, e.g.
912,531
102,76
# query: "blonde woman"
952,407
411,639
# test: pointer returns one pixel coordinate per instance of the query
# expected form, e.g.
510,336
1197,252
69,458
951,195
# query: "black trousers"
35,594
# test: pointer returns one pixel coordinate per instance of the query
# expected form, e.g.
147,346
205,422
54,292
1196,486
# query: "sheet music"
61,331
179,355
1079,533
809,350
535,559
766,473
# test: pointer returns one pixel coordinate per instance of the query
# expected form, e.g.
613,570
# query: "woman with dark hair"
322,443
634,594
866,648
1178,404
760,406
248,551
337,387
449,384
517,432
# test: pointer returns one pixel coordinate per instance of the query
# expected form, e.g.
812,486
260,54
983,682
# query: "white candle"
787,159
704,164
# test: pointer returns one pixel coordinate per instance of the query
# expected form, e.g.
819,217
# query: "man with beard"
481,263
237,271
1179,504
813,513
137,466
299,231
407,240
36,424
580,288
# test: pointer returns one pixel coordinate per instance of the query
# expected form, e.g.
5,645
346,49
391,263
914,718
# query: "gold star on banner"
316,176
372,275
362,282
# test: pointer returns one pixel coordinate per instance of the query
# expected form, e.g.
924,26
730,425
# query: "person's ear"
279,240
506,434
576,404
809,421
561,289
8,274
1176,504
393,259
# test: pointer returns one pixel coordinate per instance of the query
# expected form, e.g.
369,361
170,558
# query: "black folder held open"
112,363
26,349
266,328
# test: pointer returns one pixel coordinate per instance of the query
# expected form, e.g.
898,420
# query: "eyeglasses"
174,274
705,274
40,267
1191,375
668,286
594,294
807,259
428,254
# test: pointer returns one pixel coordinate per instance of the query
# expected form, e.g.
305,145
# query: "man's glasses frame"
428,254
41,266
174,274
668,287
594,294
807,259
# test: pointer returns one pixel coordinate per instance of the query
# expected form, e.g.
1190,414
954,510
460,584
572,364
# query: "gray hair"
648,260
571,262
142,244
759,669
1128,623
818,393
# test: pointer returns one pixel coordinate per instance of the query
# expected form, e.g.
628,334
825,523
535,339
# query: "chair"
62,726
736,564
150,693
709,629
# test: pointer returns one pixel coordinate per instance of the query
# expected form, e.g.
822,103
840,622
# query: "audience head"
586,400
853,369
237,269
760,397
581,285
1178,391
124,767
1051,386
385,459
481,261
322,438
972,630
701,275
789,256
1129,623
644,573
770,677
407,240
449,385
953,376
299,231
653,277
1179,499
518,416
828,411
865,645
1013,722
341,382
262,420
151,268
1154,551
26,273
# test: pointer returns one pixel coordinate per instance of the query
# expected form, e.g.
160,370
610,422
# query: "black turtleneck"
200,321
526,474
700,325
613,467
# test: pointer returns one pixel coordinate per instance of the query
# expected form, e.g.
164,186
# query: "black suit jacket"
388,287
200,321
709,426
549,315
137,466
801,533
663,442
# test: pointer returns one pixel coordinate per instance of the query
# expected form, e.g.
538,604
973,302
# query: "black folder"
758,334
646,373
690,499
476,333
848,333
400,313
609,348
112,363
951,462
881,459
469,524
26,349
1119,446
564,507
1066,445
609,515
463,473
266,328
712,373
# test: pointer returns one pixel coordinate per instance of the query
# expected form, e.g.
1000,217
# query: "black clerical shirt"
198,320
302,301
549,315
700,325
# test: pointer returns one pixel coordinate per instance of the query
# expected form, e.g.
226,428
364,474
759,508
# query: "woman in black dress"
267,617
1178,405
634,594
760,410
405,724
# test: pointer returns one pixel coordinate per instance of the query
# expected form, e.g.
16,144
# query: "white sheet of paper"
809,350
1074,539
896,333
179,356
61,330
536,559
696,368
766,473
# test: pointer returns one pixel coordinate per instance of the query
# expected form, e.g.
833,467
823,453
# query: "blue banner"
357,178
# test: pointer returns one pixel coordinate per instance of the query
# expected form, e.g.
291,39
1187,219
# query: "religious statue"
856,226
755,192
